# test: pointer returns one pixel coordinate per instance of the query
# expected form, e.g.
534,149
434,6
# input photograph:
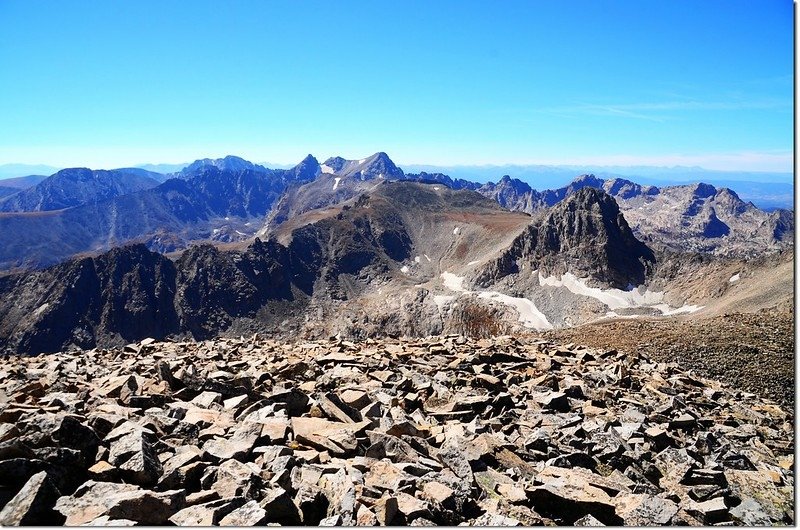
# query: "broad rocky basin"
436,431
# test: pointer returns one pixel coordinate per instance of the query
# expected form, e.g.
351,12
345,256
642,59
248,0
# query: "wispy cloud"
660,111
768,161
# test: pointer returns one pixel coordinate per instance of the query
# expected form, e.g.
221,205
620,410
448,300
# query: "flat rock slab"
118,501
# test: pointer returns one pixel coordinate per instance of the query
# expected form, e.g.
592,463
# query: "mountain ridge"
171,216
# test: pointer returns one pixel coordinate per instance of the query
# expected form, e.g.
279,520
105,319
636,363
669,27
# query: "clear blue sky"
105,83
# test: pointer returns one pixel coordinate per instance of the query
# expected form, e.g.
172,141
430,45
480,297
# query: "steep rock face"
76,186
131,293
5,191
306,170
136,291
214,288
119,296
586,235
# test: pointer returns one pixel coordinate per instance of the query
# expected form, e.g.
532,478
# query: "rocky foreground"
431,431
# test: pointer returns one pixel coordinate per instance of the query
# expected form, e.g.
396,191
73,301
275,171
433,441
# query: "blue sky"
105,84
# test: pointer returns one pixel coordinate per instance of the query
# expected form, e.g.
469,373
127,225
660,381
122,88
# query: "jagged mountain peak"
592,199
586,235
588,179
229,163
307,169
516,183
626,189
334,164
378,165
703,190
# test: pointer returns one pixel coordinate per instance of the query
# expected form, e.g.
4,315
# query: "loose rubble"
437,431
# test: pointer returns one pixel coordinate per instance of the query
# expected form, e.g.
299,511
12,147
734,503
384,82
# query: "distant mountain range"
764,189
231,200
386,253
77,186
767,190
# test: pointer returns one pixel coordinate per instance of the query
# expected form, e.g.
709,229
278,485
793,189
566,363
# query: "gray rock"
206,514
280,508
119,501
134,456
235,479
33,504
250,514
588,520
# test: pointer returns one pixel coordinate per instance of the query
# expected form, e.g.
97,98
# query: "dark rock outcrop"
130,293
586,235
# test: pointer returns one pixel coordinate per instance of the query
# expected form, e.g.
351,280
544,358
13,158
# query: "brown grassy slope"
750,351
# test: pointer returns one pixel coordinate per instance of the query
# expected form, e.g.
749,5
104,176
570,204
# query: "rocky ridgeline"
421,432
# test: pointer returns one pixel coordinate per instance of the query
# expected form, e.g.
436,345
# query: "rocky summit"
436,431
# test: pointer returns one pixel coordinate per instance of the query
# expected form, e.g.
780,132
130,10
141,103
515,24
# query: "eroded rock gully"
432,431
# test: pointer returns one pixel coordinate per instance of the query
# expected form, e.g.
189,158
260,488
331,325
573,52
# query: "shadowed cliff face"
130,293
125,293
585,234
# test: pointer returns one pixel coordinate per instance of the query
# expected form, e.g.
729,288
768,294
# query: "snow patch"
734,278
529,314
617,298
456,230
326,169
453,282
405,269
613,298
416,259
684,309
336,181
41,309
436,188
362,161
427,258
471,263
